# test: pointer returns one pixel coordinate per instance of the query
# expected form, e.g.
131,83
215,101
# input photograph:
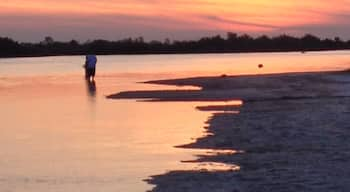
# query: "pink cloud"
94,18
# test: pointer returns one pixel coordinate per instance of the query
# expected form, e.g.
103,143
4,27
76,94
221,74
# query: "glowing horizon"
155,19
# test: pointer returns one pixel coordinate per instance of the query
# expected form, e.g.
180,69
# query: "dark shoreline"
286,146
232,43
292,133
247,87
175,53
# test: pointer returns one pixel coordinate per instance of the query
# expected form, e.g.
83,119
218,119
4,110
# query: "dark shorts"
90,72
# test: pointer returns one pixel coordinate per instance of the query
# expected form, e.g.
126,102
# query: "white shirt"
91,61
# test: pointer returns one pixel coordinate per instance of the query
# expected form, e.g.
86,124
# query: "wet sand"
249,88
291,132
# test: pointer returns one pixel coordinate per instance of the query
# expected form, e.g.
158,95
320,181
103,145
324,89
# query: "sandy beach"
291,132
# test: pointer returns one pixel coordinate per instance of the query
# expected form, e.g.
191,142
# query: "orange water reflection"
172,66
59,131
63,131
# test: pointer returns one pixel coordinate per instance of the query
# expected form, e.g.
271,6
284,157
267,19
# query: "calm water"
59,134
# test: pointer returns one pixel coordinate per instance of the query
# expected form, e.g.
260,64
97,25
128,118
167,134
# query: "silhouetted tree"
214,44
48,40
310,42
8,47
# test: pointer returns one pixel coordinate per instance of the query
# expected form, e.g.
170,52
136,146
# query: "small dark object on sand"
260,65
223,75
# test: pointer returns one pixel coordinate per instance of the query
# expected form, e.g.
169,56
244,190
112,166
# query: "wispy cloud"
121,17
239,23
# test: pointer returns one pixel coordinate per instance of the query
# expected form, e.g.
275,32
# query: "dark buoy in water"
260,66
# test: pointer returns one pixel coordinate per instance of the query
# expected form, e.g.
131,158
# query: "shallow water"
166,66
59,133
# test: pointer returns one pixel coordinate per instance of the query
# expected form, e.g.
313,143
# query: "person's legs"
87,74
93,71
90,74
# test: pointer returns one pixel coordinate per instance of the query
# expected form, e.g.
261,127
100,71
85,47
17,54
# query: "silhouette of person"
90,67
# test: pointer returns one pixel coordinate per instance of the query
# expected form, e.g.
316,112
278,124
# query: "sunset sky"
32,20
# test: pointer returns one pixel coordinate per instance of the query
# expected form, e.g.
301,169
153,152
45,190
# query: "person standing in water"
90,67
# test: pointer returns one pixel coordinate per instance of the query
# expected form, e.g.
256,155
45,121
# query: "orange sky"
177,19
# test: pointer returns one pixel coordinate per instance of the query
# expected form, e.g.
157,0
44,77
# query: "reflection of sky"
27,20
53,133
50,127
150,67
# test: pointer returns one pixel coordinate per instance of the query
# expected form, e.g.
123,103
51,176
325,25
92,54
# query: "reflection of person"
90,67
91,87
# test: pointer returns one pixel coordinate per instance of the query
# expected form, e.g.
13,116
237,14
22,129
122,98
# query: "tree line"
216,44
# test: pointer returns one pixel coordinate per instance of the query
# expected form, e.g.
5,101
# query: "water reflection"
211,166
227,107
91,89
215,167
202,150
112,145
